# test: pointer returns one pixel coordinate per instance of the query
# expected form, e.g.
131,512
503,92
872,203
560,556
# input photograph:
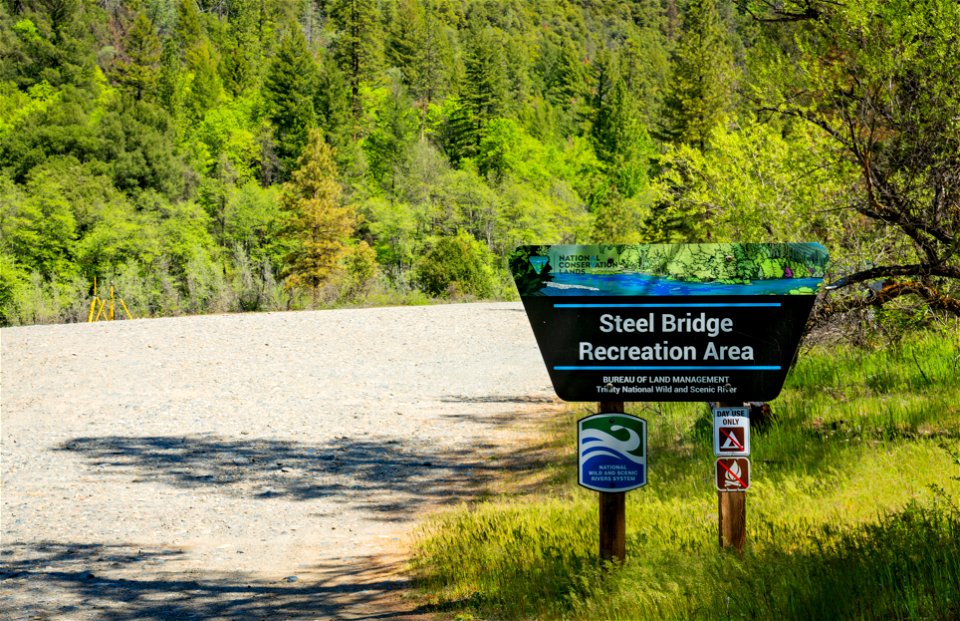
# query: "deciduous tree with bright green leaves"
880,79
391,137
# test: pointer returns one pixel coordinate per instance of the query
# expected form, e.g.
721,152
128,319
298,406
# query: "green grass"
852,513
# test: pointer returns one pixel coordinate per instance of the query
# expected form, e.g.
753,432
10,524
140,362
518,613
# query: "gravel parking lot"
248,466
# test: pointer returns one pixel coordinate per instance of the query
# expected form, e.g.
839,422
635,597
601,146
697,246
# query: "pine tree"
603,130
139,67
419,47
619,137
189,31
616,220
289,90
703,76
562,72
484,86
332,105
170,80
359,46
318,221
435,59
201,82
406,40
242,47
645,60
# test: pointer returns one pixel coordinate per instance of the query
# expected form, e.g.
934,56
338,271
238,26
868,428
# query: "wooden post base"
732,509
613,527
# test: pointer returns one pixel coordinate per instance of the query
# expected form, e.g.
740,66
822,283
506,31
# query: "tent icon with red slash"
731,432
732,439
733,474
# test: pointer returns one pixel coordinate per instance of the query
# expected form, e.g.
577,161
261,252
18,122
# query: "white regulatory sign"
731,432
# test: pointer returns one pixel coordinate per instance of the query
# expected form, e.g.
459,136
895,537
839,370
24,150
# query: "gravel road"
248,466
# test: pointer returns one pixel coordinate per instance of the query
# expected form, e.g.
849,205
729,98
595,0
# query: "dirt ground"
256,466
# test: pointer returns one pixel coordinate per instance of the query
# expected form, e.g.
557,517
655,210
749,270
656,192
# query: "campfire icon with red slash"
733,474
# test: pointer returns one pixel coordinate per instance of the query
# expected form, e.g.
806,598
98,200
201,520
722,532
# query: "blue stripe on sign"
729,368
699,305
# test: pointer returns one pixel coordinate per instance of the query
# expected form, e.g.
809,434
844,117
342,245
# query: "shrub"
12,279
360,270
455,267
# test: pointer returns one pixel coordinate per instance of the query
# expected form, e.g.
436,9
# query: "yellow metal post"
99,308
93,302
125,309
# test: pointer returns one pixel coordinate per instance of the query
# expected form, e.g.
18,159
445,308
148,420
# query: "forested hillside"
222,155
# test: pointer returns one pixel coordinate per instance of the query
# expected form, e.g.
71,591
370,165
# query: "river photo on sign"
669,269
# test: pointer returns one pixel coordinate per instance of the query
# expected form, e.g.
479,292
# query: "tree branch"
918,269
934,298
911,226
810,118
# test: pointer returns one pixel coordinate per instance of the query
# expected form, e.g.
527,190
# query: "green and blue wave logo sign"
613,452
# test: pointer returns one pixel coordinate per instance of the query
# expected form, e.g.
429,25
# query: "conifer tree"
436,58
170,80
562,72
332,105
202,85
319,223
617,220
619,137
608,84
189,31
484,87
673,216
359,46
431,60
138,69
703,76
645,61
242,47
289,90
406,40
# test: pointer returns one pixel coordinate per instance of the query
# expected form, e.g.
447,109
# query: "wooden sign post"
732,505
732,523
613,516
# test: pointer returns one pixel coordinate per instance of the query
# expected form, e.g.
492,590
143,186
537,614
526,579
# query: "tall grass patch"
852,512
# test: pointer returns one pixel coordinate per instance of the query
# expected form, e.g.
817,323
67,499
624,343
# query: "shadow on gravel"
351,469
62,580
